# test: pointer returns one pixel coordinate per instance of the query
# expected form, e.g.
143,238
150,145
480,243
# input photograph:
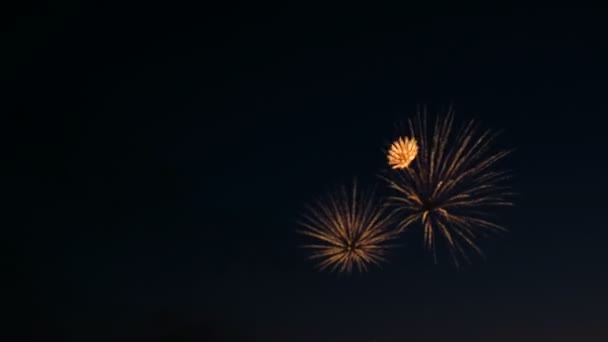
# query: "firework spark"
351,230
402,152
450,186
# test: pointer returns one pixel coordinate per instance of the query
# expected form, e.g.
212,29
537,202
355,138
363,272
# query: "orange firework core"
402,152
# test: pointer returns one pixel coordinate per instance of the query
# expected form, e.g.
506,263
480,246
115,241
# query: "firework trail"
449,185
351,229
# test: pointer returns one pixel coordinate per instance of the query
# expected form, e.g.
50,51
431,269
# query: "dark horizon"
166,153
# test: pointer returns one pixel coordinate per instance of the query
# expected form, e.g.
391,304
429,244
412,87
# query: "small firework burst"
450,186
402,152
351,230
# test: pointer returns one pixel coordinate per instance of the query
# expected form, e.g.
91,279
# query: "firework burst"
402,152
450,186
351,229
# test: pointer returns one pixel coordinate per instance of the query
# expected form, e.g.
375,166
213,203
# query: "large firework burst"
451,185
351,229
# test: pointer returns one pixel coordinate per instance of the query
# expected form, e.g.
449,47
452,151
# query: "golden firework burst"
451,185
351,230
402,152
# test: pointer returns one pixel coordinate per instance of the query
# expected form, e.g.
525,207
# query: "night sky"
164,154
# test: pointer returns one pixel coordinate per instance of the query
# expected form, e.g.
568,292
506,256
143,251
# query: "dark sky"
163,154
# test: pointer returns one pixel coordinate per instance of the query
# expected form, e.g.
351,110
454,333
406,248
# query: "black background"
164,151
